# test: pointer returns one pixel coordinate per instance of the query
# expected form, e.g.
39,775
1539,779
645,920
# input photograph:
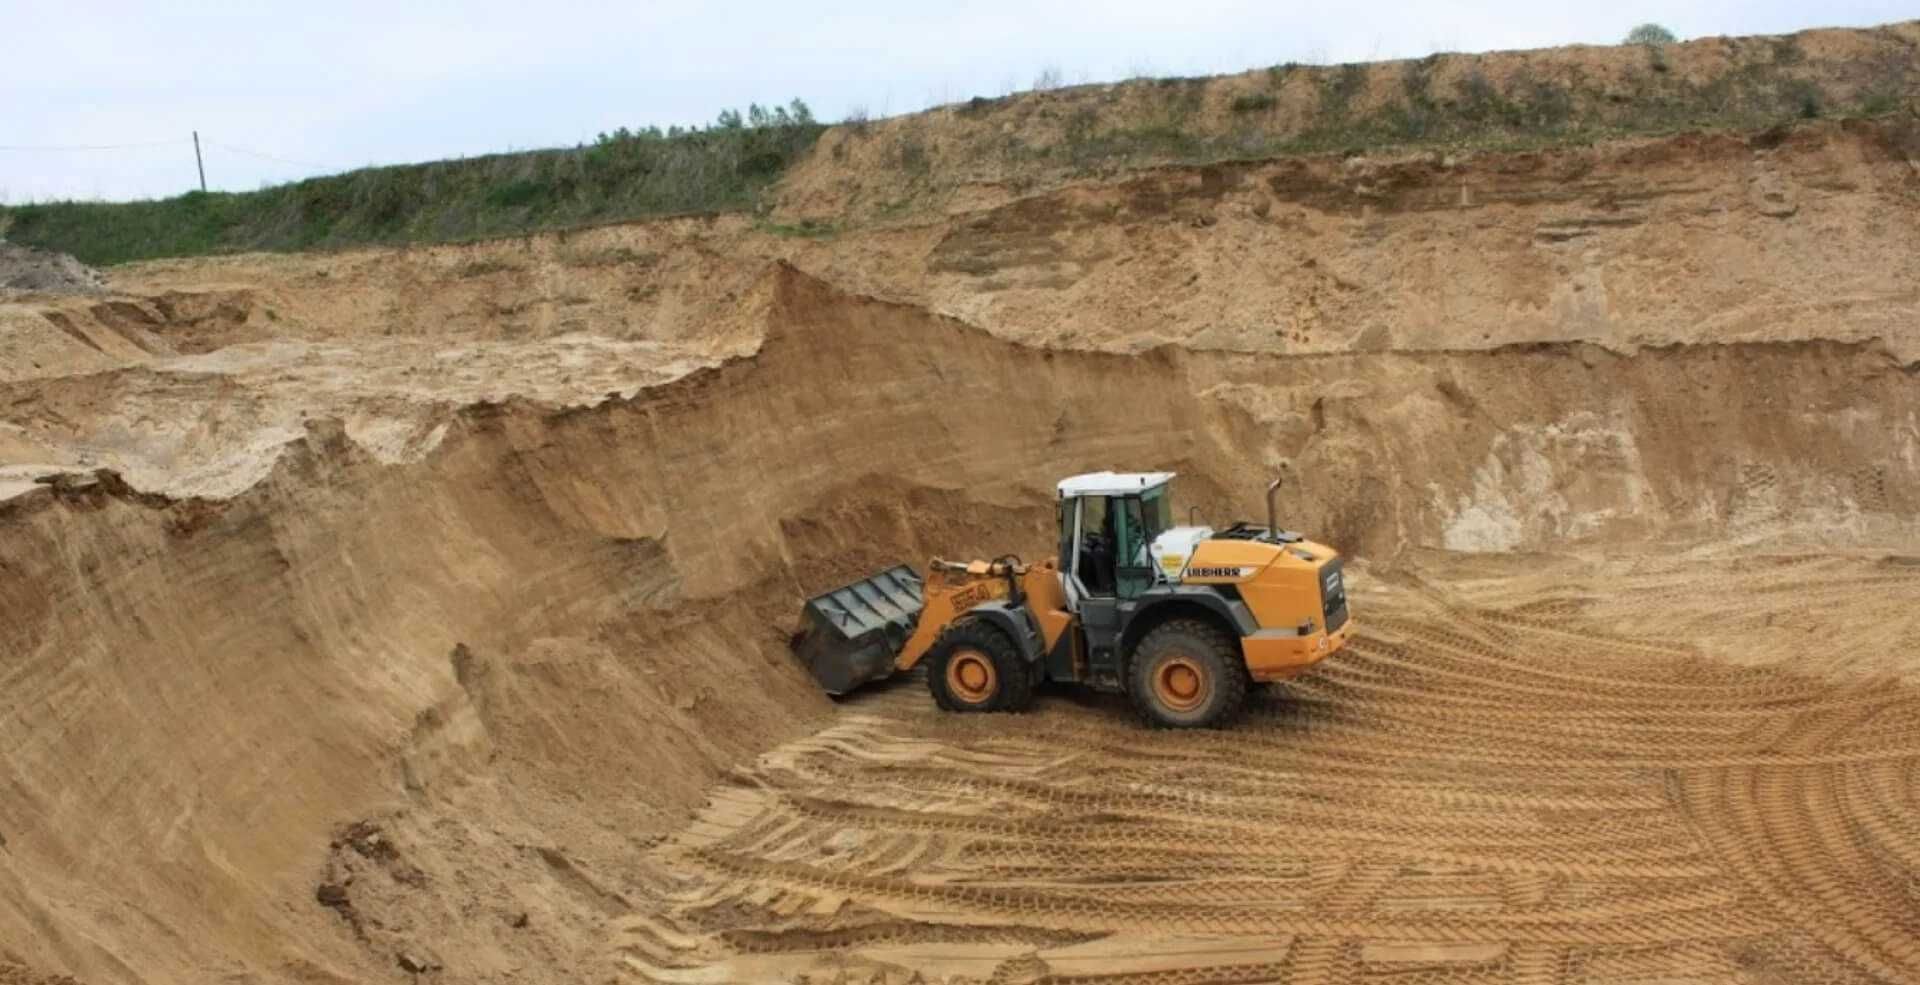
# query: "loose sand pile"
27,268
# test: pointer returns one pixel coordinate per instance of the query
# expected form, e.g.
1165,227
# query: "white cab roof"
1112,483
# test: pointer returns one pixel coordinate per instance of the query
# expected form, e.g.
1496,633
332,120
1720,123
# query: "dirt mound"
31,269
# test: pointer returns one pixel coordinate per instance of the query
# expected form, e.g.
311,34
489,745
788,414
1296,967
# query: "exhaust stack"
1273,512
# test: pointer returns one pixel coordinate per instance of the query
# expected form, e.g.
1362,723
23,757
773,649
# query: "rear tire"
974,667
1187,674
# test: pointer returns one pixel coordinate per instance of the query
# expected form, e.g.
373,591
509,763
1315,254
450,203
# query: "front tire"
974,667
1187,674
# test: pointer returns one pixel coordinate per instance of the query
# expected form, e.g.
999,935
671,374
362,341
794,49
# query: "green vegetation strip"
622,175
730,165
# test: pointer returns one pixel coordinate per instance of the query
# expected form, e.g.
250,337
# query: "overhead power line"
177,141
263,155
77,147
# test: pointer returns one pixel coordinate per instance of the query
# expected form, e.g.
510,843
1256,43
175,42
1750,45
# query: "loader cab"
1108,520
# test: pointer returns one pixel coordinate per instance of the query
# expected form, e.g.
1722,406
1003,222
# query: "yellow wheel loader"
1182,619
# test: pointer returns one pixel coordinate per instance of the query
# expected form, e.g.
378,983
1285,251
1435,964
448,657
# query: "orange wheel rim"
1180,684
971,677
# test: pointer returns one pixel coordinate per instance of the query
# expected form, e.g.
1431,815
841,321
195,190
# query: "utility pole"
198,163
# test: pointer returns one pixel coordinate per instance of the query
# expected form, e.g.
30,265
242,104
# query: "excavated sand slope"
421,615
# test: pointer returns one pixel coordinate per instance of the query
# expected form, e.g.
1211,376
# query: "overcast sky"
324,86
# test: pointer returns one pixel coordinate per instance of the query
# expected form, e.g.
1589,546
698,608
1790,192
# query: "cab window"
1139,523
1158,510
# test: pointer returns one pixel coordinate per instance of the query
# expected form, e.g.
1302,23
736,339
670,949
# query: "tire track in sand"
1470,795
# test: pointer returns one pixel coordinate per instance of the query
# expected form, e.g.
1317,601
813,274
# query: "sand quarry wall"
494,662
1793,233
589,605
190,378
983,152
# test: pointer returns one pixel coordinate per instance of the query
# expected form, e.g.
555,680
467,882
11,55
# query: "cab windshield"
1142,518
1107,540
1157,507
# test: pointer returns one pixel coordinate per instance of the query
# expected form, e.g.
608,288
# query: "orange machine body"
1282,585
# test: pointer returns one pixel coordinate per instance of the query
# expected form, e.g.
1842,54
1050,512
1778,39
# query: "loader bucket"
852,633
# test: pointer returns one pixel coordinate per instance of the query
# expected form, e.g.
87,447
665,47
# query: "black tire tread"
1016,678
1217,647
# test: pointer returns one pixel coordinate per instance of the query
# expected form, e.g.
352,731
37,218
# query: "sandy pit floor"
1508,791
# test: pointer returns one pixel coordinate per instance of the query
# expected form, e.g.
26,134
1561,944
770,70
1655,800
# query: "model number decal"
1212,572
972,595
